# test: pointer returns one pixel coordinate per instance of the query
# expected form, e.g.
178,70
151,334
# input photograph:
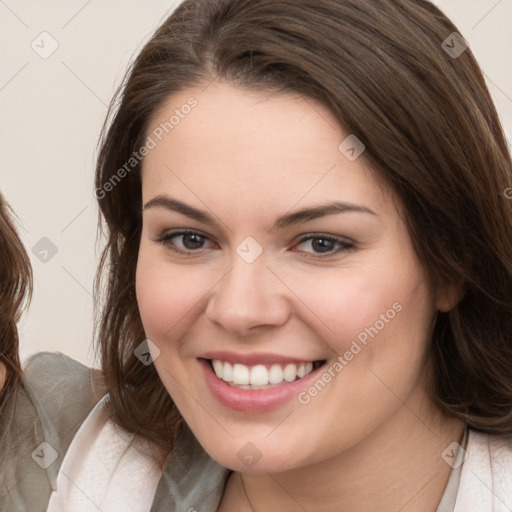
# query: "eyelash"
167,238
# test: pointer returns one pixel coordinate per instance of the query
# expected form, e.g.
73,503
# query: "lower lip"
253,401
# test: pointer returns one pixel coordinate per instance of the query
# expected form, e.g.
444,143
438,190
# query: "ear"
448,296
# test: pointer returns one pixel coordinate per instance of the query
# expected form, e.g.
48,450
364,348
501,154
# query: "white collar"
107,469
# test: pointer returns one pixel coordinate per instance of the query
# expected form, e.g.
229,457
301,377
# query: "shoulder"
105,468
63,390
40,365
500,459
486,477
190,476
55,371
54,397
492,449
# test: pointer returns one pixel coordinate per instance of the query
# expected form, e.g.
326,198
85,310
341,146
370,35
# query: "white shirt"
108,470
105,469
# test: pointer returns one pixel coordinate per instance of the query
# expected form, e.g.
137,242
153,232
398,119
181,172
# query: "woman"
16,279
308,268
40,408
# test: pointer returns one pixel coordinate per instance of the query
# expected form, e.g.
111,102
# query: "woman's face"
271,253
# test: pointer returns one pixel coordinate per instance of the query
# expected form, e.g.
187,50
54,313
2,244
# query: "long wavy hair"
15,292
385,70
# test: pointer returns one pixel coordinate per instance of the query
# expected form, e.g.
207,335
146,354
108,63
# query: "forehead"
238,143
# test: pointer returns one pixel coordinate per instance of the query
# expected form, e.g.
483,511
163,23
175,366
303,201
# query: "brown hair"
15,291
431,132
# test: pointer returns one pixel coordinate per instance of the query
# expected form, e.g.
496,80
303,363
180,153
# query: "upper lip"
254,358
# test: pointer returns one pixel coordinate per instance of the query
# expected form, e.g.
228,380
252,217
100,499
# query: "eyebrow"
286,220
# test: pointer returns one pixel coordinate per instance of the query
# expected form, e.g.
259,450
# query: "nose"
249,299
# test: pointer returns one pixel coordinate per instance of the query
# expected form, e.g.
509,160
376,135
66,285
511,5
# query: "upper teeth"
260,375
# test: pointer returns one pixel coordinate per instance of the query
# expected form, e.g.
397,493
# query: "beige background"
51,112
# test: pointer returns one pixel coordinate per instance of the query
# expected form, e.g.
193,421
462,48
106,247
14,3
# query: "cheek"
379,326
388,307
345,302
167,296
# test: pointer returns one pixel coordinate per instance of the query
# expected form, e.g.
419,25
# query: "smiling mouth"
261,376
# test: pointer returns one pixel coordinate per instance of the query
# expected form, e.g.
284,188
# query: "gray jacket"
36,429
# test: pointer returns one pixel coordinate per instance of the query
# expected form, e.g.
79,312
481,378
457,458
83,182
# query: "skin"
372,438
3,375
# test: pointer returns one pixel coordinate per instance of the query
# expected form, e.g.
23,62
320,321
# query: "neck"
398,467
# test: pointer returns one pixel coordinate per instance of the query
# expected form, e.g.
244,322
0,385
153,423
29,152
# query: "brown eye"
322,245
192,241
185,241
